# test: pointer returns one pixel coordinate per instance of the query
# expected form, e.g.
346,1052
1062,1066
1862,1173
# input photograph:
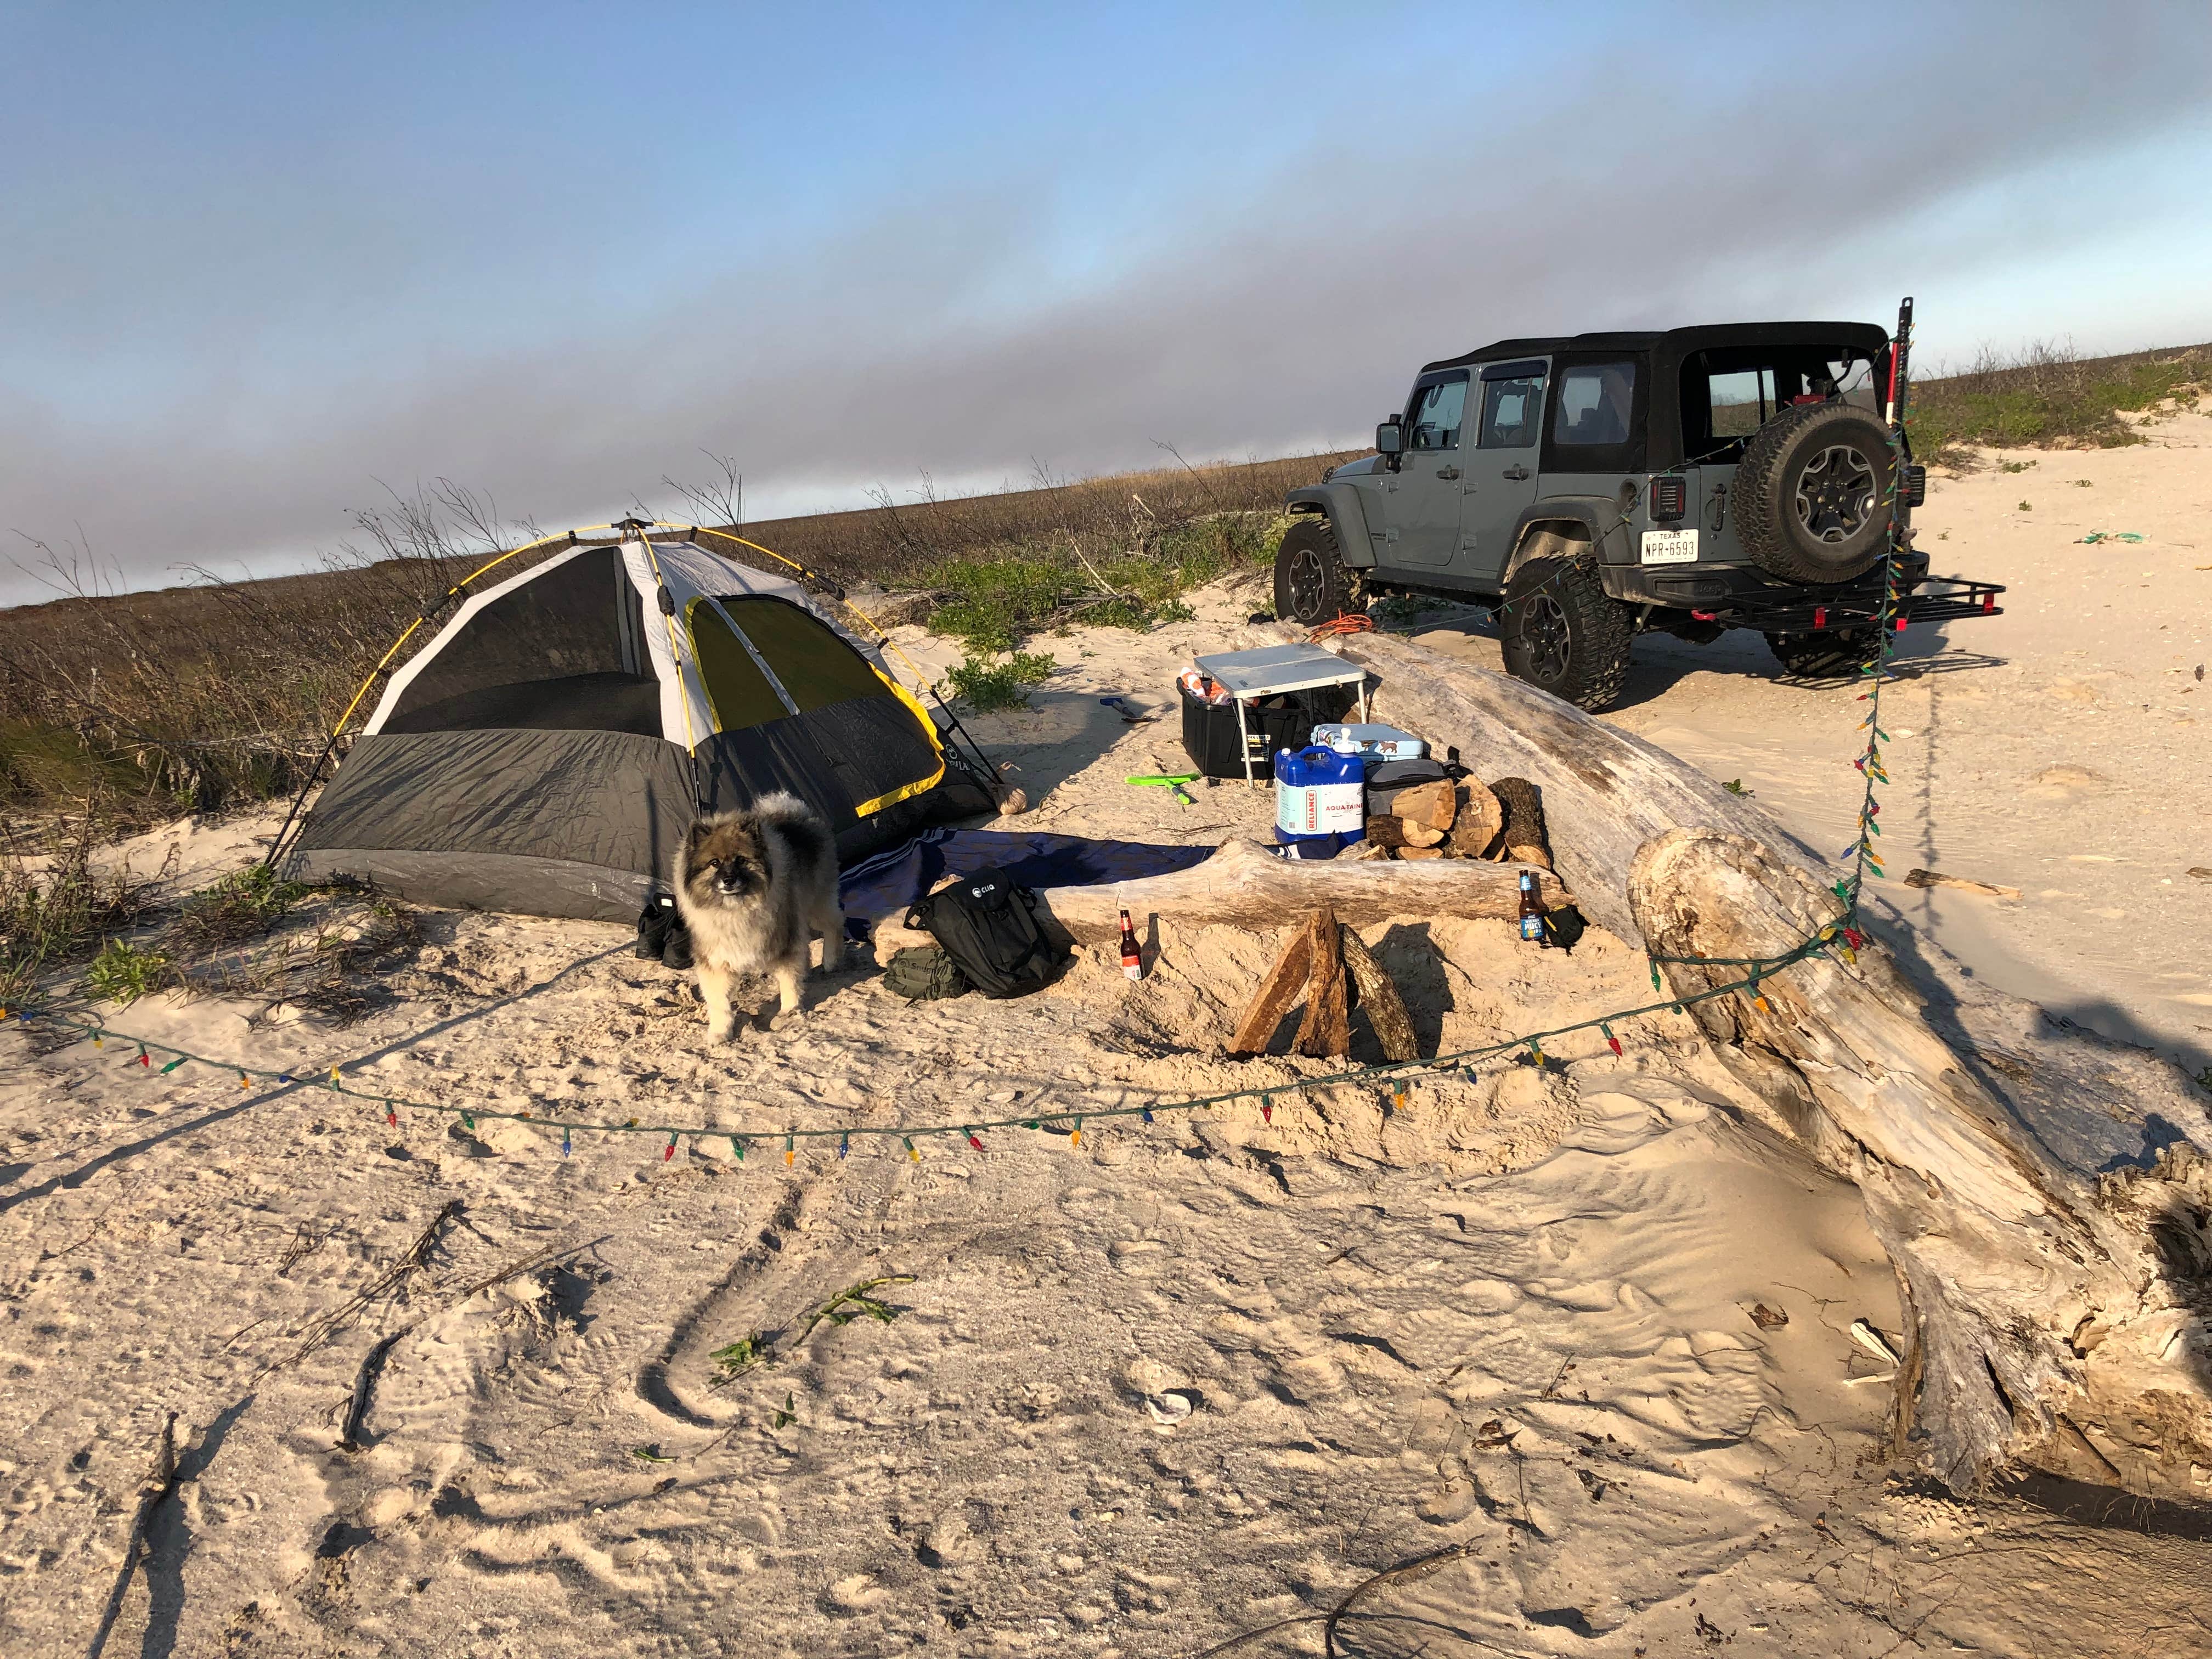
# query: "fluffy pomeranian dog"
752,886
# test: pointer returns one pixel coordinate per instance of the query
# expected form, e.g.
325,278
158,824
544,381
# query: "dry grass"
133,708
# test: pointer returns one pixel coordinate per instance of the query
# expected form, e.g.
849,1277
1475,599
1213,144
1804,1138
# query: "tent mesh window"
817,667
549,656
739,693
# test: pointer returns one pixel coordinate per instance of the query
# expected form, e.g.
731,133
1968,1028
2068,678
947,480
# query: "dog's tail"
782,807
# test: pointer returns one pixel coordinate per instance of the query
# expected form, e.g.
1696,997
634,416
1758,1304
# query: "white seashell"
1169,1408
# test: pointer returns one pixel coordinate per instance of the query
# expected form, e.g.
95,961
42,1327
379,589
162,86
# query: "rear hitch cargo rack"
1931,599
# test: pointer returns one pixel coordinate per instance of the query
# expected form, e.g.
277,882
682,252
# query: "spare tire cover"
1814,493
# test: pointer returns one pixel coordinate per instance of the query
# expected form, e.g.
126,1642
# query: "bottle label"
1532,928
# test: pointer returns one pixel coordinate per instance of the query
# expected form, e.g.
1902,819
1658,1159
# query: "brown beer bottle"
1132,960
1532,910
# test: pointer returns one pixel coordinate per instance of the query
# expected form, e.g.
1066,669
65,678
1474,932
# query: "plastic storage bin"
1320,800
1285,721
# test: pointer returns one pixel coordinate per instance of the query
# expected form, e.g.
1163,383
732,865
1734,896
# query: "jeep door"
1421,499
1501,468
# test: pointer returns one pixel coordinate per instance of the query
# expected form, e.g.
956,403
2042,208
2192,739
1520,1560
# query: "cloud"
1790,184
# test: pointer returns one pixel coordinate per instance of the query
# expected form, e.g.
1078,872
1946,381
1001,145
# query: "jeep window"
1729,393
1512,407
1740,402
1593,403
1433,421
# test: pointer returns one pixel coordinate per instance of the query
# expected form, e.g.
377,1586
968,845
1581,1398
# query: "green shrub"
54,915
244,904
124,972
985,686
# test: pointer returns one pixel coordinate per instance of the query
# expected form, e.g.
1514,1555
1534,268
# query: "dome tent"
548,749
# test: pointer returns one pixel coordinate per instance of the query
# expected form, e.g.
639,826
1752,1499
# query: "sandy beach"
1591,1350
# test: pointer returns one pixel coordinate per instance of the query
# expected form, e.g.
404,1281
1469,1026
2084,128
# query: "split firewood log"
1325,1031
1378,995
1431,805
1279,989
1415,854
1524,839
1476,822
1402,832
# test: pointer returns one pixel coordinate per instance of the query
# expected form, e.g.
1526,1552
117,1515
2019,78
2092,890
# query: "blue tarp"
887,883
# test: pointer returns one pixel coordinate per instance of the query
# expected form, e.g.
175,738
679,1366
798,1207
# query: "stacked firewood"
1470,819
1317,958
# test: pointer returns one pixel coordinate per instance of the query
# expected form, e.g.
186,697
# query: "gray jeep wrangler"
1592,488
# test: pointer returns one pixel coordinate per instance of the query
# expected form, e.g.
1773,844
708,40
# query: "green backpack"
922,972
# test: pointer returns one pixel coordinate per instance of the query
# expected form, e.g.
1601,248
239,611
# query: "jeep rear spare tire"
1312,585
1562,634
1812,496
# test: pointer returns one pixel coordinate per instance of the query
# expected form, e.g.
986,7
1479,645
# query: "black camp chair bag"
988,927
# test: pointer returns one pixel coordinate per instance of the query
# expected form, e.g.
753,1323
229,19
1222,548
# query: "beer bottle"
1133,961
1532,910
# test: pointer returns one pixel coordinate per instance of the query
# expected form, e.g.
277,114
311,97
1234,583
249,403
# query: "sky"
264,266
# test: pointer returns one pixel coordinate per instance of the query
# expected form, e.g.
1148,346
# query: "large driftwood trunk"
1243,885
1605,792
2046,1305
2058,1288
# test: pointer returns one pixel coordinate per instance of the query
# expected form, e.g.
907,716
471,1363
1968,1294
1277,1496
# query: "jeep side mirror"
1389,437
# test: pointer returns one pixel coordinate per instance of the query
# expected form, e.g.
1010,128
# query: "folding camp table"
1250,675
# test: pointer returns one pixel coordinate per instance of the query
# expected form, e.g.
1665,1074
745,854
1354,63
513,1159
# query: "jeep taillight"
1668,497
1915,486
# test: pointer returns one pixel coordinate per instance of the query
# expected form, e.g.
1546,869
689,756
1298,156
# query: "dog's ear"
700,830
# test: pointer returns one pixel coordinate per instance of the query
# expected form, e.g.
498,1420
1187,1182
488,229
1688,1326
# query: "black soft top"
1678,343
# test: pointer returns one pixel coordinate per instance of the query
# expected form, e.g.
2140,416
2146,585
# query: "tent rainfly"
548,749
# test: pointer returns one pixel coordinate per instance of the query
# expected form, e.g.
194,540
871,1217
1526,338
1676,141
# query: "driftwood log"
1243,885
2036,1188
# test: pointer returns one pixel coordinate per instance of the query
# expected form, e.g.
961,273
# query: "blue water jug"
1320,801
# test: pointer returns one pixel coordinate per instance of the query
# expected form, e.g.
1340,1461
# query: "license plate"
1670,546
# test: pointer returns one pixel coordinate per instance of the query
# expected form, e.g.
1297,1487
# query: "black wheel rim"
1544,635
1308,581
1835,493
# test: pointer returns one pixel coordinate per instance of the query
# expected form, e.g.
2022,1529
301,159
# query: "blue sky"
259,264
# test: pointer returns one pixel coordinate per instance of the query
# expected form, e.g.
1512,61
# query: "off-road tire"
1826,654
1563,635
1812,493
1312,583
